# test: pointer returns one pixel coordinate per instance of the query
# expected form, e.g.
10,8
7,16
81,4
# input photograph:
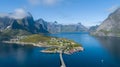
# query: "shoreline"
79,49
69,52
26,43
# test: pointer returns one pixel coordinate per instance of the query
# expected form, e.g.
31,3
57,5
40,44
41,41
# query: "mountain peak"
20,13
117,11
110,26
79,23
17,14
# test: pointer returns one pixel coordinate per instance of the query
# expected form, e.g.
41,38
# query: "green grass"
15,32
58,43
35,38
63,42
10,33
52,49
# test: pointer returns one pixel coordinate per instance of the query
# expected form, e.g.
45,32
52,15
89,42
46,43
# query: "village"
53,45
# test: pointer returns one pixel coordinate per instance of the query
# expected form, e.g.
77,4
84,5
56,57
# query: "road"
62,61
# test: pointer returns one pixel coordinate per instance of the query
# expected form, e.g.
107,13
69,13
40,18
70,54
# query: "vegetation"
105,32
36,38
62,44
16,32
53,44
9,33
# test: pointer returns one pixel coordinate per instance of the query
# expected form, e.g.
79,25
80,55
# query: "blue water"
99,52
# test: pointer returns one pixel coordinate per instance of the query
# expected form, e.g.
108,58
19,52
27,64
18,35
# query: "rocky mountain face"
49,26
26,23
23,22
110,26
74,28
5,22
93,28
54,27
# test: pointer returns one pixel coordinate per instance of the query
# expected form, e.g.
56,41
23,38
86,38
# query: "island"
51,44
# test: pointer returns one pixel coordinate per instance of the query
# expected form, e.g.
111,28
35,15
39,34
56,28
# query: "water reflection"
12,55
98,52
15,52
112,44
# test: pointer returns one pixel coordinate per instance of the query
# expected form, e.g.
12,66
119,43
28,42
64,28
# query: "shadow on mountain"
112,44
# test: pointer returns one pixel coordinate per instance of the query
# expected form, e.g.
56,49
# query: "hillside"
110,26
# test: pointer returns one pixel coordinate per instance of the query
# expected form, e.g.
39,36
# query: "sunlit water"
99,52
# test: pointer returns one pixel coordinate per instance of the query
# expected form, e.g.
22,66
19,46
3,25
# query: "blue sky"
88,12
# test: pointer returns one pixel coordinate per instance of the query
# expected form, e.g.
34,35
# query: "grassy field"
35,38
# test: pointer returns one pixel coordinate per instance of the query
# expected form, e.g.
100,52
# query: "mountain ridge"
15,21
55,27
110,26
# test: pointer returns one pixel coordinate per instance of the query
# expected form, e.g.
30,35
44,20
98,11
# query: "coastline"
77,49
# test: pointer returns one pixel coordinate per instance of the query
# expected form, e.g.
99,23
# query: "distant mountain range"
110,26
14,24
93,28
55,27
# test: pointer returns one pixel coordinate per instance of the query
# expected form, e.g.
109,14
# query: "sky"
88,12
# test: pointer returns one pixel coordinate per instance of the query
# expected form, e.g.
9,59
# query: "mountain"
24,22
5,22
55,27
110,26
74,28
51,27
93,28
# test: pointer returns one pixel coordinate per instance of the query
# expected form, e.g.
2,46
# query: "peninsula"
52,44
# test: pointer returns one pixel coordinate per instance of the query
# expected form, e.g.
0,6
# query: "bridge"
61,60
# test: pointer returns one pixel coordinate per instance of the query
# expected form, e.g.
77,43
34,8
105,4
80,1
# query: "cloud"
113,8
44,2
18,14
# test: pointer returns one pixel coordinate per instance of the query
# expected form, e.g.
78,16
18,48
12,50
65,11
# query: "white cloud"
44,2
19,13
113,8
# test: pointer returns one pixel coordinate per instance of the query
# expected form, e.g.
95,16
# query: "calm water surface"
99,52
